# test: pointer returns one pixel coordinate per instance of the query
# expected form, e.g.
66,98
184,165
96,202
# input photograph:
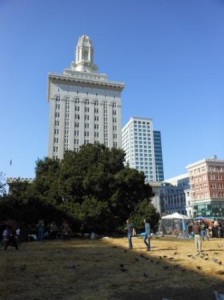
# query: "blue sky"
169,54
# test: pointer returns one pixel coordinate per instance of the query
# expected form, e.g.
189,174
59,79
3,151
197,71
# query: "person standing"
11,240
40,230
129,228
147,235
196,228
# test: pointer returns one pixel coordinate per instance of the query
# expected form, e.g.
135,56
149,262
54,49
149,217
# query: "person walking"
147,235
196,228
129,228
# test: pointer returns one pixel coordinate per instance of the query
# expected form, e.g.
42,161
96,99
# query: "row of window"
87,110
55,148
86,134
206,195
205,186
141,123
86,126
86,118
86,101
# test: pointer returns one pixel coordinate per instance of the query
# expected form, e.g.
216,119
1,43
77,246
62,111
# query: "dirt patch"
105,269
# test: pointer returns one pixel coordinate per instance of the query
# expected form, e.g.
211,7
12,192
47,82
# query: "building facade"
158,155
173,194
139,145
207,187
85,107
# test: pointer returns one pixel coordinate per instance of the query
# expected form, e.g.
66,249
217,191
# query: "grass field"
105,269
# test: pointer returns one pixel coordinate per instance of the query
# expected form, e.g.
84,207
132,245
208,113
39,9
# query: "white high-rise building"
138,144
85,107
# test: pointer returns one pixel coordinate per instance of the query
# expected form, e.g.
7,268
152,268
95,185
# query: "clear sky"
169,54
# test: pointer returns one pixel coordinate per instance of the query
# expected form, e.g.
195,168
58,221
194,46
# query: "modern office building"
85,107
158,155
139,146
207,187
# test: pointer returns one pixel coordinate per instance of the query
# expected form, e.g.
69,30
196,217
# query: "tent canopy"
177,216
175,224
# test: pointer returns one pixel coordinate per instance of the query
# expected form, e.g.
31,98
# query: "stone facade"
85,107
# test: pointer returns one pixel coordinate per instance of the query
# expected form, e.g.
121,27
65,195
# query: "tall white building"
85,107
138,144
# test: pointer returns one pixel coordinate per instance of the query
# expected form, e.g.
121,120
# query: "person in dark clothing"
129,228
147,234
11,241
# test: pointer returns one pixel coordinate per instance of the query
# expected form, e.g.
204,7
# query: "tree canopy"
93,187
2,184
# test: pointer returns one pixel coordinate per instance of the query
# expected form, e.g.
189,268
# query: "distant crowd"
211,229
13,235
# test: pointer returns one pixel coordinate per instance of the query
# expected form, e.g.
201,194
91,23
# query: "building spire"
84,56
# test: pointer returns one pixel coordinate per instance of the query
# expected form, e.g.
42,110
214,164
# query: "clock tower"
84,56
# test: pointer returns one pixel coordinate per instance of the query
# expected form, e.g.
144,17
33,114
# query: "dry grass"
104,269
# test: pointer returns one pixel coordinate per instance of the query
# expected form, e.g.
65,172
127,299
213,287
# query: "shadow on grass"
103,269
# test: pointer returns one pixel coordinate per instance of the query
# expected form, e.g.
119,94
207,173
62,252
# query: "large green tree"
92,186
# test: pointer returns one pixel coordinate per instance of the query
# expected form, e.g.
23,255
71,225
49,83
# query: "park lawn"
83,269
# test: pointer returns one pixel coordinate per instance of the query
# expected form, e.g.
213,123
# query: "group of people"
131,232
203,231
13,236
52,231
200,231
